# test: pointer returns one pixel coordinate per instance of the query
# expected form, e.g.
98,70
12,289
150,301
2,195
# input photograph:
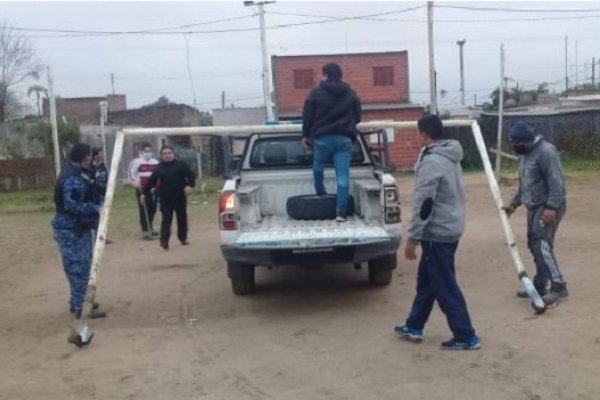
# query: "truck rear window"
289,152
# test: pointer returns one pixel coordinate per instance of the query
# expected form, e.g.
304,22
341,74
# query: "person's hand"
509,210
549,216
410,251
137,185
187,190
142,200
306,142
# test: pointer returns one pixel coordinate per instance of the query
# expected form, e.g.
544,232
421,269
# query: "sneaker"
340,218
472,344
321,193
154,233
410,334
164,245
555,295
146,235
185,242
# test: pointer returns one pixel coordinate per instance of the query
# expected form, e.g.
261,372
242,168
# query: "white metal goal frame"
84,332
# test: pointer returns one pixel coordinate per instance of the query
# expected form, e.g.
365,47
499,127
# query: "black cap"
521,133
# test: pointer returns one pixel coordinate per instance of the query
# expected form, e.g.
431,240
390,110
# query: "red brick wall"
358,72
405,148
172,115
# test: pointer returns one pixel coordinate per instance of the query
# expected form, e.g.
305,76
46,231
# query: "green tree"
68,134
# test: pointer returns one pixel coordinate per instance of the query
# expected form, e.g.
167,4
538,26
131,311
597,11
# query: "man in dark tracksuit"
542,191
76,216
175,183
329,120
438,222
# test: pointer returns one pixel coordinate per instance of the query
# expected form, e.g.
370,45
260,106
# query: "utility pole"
593,72
112,82
223,99
460,44
576,66
432,85
52,101
566,67
103,117
500,115
266,76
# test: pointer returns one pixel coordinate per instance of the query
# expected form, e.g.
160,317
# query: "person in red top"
140,170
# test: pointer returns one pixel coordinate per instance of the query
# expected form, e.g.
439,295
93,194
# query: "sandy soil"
176,331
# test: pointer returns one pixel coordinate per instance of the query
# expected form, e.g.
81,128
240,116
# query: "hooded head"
332,72
81,153
521,137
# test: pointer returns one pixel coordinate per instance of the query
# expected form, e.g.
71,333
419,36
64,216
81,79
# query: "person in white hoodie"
140,170
438,222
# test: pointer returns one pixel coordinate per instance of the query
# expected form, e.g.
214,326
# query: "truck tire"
241,276
381,270
313,207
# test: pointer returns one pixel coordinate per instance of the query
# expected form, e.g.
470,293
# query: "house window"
383,76
303,78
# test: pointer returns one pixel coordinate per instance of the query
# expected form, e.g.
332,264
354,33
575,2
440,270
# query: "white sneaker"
340,218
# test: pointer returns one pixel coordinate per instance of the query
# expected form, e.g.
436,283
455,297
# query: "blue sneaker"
472,344
411,334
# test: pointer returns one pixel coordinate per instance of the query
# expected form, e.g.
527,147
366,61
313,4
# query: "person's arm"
551,169
426,187
73,191
190,177
356,109
134,176
308,113
151,183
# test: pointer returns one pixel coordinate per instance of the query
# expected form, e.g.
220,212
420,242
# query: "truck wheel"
381,270
242,280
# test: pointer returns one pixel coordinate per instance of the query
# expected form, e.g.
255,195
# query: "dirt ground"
176,331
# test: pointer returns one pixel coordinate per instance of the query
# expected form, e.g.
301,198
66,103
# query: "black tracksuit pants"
167,207
150,207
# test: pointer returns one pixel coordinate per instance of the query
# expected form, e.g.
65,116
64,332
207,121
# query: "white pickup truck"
257,230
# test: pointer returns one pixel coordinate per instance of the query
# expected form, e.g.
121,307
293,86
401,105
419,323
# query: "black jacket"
172,177
331,107
100,176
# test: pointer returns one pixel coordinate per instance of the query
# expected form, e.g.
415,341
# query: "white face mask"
146,155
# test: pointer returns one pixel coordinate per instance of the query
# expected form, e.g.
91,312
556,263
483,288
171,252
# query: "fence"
26,173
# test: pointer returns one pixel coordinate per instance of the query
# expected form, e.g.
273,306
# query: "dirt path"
175,330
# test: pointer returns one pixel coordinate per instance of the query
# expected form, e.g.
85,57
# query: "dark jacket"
541,179
172,177
331,107
73,197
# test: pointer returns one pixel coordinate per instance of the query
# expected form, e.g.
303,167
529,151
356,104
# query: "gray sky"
150,65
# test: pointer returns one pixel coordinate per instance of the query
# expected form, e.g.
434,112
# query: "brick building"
380,79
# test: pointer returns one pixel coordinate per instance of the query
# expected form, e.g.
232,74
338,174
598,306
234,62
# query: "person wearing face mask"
176,183
542,190
140,170
77,215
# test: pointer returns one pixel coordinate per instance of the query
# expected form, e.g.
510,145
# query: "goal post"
84,331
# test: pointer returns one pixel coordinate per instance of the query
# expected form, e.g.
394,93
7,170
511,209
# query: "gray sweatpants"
540,240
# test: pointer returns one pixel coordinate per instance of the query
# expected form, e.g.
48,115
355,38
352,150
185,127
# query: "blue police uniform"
76,216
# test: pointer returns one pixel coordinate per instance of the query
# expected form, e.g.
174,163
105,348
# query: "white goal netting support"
84,331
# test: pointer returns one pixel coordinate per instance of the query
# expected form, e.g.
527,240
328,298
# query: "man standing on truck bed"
331,113
438,222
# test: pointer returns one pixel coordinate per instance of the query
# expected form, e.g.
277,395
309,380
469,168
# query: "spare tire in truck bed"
313,207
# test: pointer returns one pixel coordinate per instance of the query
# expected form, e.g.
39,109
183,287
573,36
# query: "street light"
461,43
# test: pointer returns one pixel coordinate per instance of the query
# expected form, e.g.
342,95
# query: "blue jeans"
436,280
340,147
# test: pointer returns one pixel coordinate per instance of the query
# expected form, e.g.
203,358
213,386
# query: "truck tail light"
392,205
227,211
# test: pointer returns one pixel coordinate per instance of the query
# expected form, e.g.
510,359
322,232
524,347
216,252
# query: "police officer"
76,216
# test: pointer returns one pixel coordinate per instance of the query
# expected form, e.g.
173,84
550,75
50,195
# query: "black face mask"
520,148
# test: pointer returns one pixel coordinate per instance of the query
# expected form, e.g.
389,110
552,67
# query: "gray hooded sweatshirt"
438,208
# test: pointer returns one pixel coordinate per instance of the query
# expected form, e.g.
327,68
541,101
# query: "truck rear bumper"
310,256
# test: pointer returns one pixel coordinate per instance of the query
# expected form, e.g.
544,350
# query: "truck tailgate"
280,231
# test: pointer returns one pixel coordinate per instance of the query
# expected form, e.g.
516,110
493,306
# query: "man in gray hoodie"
438,222
542,191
